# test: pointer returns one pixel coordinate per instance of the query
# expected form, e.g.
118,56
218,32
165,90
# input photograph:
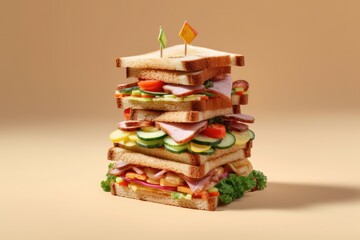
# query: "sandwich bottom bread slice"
222,185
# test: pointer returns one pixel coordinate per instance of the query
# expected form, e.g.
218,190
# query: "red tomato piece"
151,85
127,114
215,131
123,183
211,194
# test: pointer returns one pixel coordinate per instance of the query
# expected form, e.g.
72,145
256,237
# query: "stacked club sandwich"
184,141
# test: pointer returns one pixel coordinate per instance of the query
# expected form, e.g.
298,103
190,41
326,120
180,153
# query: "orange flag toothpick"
188,34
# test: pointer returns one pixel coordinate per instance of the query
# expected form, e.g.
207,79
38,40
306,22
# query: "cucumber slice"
252,135
227,142
154,93
179,149
140,99
150,135
170,142
150,144
204,140
135,93
129,90
206,153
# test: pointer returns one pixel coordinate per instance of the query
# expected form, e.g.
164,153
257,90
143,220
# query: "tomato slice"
212,194
151,85
127,114
123,183
215,130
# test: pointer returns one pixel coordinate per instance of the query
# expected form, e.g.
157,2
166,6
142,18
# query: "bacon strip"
125,85
182,132
132,125
240,117
241,83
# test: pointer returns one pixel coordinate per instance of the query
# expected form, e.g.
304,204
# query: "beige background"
57,81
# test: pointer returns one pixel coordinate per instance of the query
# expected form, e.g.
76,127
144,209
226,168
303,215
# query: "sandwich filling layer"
158,91
216,183
202,138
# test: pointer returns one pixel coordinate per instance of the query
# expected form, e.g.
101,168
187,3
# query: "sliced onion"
116,172
138,170
224,175
159,174
120,164
150,185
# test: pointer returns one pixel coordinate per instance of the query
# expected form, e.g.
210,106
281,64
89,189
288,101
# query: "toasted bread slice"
197,58
116,154
188,116
178,77
175,106
163,197
180,116
185,157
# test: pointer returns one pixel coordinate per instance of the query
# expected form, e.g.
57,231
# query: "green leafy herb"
208,84
105,184
234,186
215,120
209,94
260,178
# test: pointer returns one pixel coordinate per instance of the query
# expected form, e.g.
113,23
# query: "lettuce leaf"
234,186
105,184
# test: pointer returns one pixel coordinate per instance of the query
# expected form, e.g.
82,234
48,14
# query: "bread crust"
197,58
163,197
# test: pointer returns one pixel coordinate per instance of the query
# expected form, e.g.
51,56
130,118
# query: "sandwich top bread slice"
197,58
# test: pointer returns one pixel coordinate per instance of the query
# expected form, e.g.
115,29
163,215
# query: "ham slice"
223,87
198,185
182,132
240,117
182,90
